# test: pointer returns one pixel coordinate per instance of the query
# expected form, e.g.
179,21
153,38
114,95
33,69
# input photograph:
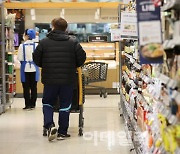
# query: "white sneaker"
52,133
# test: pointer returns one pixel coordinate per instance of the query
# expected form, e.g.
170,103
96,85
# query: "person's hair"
59,24
26,32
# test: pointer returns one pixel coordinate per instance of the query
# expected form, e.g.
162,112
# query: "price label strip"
132,60
174,94
172,84
177,98
164,79
137,66
173,119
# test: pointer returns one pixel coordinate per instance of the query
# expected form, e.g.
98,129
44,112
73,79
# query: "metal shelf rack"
7,82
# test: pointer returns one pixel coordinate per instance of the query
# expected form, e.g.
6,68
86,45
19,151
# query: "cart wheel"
105,95
80,132
100,94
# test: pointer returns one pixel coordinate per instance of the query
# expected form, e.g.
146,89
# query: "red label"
157,2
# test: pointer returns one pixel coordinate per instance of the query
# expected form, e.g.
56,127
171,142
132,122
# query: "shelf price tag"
172,83
161,149
164,79
166,112
146,79
133,84
126,76
177,150
143,77
161,108
177,99
139,97
132,60
129,56
173,120
137,66
174,94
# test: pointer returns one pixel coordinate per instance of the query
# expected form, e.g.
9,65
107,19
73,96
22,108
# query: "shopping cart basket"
77,101
95,72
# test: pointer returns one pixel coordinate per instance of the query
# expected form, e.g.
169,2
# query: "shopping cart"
77,101
95,72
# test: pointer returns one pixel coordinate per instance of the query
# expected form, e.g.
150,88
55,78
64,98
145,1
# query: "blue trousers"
64,94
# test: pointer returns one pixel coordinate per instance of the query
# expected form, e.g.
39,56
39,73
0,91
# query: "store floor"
21,131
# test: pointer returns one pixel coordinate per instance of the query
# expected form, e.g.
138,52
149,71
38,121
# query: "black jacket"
59,55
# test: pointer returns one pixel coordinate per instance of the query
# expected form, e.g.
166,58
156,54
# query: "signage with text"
97,38
116,35
149,30
128,25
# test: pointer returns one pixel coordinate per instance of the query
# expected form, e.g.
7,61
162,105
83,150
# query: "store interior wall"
74,16
71,15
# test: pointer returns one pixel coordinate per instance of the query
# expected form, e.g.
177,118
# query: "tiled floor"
21,131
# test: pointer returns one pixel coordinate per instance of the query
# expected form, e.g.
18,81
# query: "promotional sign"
116,35
128,25
149,30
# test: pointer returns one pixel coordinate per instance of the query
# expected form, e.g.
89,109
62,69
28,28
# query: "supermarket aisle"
21,131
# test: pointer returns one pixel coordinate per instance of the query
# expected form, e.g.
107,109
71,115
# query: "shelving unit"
7,90
150,95
141,102
9,59
2,91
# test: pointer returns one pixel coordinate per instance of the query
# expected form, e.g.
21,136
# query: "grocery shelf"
7,66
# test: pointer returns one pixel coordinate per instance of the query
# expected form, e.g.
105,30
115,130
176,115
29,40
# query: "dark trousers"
30,89
50,95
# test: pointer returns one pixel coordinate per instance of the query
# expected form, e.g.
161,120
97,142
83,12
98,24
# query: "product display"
151,96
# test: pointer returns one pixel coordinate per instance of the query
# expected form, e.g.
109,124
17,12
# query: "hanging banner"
149,31
129,25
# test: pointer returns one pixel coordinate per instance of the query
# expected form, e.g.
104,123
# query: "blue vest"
23,64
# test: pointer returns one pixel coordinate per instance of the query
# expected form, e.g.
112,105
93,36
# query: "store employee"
29,71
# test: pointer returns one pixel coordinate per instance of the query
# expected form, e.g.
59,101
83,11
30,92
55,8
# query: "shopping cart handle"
80,85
